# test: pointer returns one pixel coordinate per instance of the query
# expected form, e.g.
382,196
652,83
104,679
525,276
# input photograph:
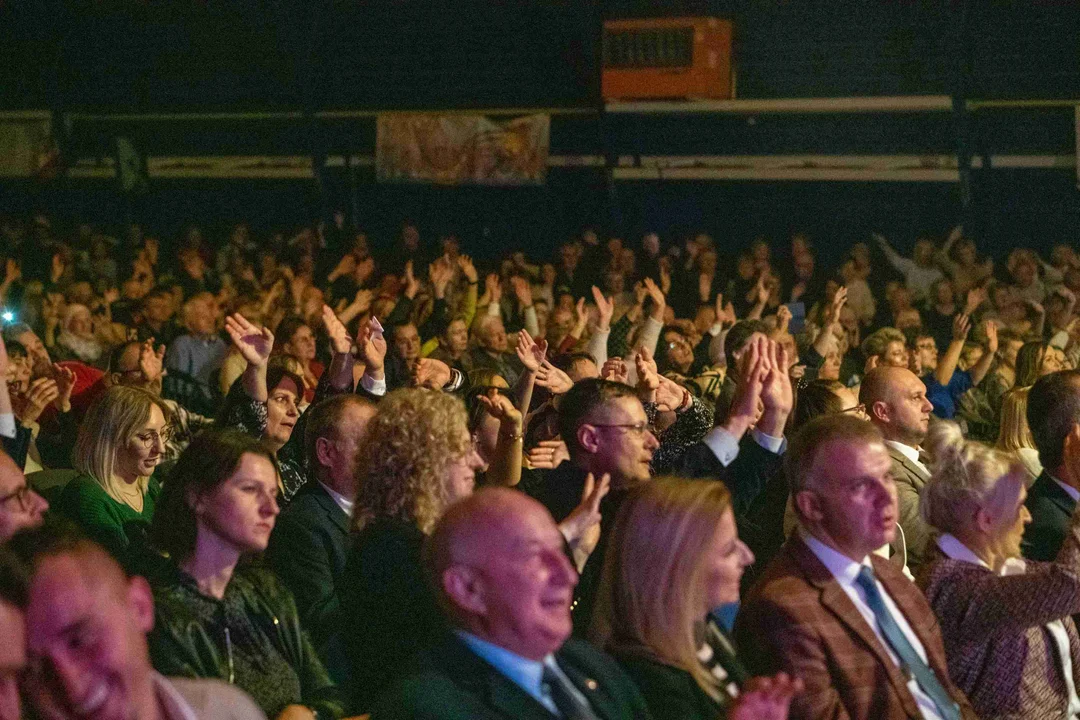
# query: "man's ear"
588,438
808,505
1071,454
322,451
464,589
879,410
141,603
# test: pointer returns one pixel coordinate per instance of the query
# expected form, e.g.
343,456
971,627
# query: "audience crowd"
309,476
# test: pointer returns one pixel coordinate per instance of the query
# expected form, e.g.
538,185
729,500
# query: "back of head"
57,536
582,400
419,434
814,400
1013,432
739,335
879,385
210,460
814,437
1052,413
878,341
963,475
652,591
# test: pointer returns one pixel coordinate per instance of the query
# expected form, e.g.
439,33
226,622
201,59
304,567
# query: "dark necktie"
909,657
570,707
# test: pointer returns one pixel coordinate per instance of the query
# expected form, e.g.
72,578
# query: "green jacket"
188,641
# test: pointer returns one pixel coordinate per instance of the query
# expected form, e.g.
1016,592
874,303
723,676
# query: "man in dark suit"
310,540
827,610
497,564
749,460
895,399
1053,414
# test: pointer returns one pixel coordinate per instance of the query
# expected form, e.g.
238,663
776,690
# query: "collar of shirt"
959,551
526,674
1069,489
909,452
843,568
343,502
174,704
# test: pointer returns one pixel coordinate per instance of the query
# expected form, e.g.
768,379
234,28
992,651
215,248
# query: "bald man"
86,625
497,565
20,507
895,400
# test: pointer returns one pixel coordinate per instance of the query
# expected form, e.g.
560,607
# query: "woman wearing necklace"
120,442
217,614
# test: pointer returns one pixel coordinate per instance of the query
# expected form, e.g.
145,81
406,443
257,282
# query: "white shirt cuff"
7,425
723,445
775,445
373,386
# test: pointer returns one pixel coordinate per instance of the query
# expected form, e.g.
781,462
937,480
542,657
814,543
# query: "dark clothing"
307,550
1050,507
450,682
670,692
388,611
250,638
112,524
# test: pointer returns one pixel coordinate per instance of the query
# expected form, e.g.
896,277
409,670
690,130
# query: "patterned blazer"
799,620
999,649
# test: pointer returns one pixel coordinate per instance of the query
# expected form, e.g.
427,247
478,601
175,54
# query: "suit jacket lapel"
1055,494
836,601
472,672
911,467
600,701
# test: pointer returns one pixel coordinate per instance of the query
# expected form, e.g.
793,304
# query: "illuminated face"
301,345
144,450
725,559
241,511
282,412
407,342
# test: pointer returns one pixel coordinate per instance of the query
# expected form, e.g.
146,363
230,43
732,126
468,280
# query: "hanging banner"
455,149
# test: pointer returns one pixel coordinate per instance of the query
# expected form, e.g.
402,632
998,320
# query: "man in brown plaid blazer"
851,625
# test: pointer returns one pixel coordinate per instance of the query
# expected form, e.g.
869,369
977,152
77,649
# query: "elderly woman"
1011,642
77,340
668,595
423,459
216,616
120,442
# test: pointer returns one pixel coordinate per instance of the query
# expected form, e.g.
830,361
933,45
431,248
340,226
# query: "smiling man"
86,625
827,610
497,564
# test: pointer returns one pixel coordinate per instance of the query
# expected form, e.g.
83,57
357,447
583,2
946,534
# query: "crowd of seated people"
350,478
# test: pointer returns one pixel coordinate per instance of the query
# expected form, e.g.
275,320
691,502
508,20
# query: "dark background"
142,57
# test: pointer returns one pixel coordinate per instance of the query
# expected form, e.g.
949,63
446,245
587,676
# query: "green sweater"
111,523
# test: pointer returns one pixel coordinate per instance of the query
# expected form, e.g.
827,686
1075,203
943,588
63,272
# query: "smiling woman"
120,443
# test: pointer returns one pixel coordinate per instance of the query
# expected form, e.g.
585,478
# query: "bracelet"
516,437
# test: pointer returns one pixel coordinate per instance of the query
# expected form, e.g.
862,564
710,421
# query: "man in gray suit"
86,625
895,400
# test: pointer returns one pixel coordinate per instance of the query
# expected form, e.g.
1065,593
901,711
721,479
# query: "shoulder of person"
216,700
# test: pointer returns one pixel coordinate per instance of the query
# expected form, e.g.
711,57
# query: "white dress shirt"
1017,566
726,448
910,453
343,502
845,570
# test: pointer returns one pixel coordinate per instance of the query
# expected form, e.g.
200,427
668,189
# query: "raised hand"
440,273
467,268
605,307
765,698
752,368
961,327
372,347
12,271
761,290
554,379
976,296
412,285
581,528
783,318
151,361
657,295
522,291
837,304
704,285
776,392
581,319
530,352
502,409
670,395
431,373
991,336
339,336
40,394
362,301
548,454
615,370
253,342
493,288
65,383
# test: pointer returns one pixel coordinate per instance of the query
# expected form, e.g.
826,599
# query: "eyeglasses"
20,495
150,438
634,429
859,409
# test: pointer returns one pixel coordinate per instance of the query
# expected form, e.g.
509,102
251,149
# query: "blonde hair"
652,590
416,436
1014,433
109,425
963,476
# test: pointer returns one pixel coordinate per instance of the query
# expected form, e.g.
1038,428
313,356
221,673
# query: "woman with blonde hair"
1001,617
1014,435
120,442
668,593
420,458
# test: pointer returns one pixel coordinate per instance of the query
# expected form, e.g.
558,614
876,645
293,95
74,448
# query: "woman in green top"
121,441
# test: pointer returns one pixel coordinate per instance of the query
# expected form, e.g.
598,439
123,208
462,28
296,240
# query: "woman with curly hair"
420,459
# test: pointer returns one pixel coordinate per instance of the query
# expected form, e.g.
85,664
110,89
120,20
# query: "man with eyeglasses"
20,506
